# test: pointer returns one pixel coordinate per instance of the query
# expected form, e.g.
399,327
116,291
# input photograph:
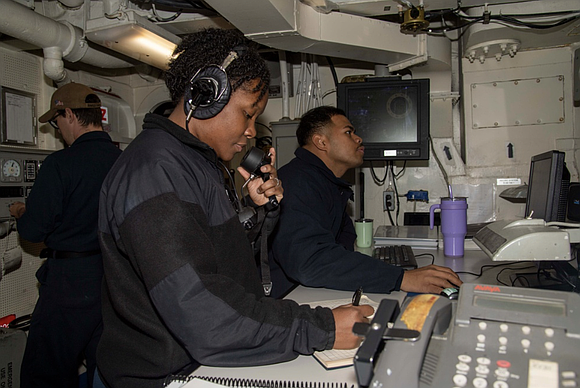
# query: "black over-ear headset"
209,89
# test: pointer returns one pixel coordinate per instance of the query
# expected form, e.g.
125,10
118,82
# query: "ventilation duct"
293,26
58,40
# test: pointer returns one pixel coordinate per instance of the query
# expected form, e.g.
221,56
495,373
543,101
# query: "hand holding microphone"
252,162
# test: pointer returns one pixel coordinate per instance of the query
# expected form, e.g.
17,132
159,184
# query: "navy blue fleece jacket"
313,243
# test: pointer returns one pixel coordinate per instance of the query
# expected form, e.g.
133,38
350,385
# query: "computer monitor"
548,187
547,198
390,114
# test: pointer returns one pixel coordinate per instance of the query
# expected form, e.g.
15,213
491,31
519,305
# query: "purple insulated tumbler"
453,224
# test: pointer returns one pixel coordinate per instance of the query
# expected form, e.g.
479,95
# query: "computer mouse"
450,293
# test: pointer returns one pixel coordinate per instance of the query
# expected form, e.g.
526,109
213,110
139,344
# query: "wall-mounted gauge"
11,171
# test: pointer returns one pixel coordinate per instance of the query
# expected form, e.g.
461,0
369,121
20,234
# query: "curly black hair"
210,47
314,121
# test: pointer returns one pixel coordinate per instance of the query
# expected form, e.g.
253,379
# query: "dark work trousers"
66,323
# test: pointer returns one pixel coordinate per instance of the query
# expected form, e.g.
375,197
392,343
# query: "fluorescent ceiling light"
134,36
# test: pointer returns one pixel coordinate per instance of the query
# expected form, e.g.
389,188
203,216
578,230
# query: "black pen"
356,296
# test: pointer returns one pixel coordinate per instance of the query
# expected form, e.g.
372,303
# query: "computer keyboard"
399,255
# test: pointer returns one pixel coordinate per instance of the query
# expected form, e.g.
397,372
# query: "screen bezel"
385,150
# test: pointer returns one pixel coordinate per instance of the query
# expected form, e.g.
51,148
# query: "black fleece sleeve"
206,308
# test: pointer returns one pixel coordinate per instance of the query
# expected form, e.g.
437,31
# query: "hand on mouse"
430,279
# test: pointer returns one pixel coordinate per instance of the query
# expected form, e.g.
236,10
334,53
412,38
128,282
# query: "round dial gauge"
11,168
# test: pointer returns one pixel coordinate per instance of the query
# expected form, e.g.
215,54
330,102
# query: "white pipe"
53,65
22,23
72,3
284,81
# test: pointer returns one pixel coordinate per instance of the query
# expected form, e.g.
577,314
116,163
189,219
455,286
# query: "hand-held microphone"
252,161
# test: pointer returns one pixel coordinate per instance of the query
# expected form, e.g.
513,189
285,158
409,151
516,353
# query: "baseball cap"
73,96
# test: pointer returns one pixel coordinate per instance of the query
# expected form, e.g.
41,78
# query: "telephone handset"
252,161
399,359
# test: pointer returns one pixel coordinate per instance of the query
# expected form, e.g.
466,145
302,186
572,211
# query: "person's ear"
320,141
69,115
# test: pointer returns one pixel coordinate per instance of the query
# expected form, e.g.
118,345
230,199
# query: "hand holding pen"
356,297
345,317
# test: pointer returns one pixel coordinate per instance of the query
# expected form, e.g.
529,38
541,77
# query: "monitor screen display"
380,119
390,115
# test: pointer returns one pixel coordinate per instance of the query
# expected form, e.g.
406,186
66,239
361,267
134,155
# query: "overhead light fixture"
134,36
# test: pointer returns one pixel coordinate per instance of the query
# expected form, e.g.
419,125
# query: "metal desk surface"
306,368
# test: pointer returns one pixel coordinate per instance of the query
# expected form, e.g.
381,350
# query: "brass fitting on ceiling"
414,20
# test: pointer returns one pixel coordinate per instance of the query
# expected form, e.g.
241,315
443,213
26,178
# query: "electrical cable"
263,142
379,182
398,207
390,217
332,70
444,32
308,88
160,19
451,28
189,4
562,280
442,12
563,277
509,20
481,269
508,268
519,277
540,24
427,254
402,172
327,93
316,88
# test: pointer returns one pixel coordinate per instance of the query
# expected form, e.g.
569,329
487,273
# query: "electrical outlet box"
388,200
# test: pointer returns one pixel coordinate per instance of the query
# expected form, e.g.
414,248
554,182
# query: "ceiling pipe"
53,65
285,86
72,3
58,40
